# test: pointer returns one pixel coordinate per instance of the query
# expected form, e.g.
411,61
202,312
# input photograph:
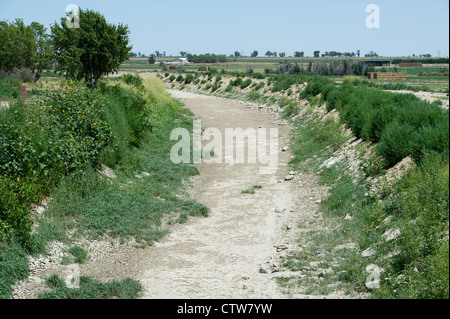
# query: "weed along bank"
211,145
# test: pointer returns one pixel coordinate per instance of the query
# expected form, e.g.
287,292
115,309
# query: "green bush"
246,84
189,78
9,87
396,142
421,211
134,80
236,82
385,115
402,124
13,266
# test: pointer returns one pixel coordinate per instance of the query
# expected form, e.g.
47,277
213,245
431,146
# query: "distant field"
428,83
260,63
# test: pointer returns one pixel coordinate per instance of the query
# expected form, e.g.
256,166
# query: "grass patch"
92,289
251,190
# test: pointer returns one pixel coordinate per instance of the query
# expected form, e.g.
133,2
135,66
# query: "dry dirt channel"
235,252
226,255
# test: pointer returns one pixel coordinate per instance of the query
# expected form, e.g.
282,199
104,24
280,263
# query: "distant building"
384,63
181,60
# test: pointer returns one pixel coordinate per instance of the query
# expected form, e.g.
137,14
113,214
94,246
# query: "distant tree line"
422,60
207,58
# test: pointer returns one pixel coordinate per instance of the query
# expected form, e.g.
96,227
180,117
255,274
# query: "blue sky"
199,26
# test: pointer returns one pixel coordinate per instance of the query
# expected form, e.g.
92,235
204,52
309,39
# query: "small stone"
368,252
108,172
280,248
391,234
387,220
284,149
348,217
241,277
330,163
289,177
275,270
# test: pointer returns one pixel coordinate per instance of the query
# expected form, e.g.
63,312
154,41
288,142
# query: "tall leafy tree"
16,45
43,49
23,46
91,51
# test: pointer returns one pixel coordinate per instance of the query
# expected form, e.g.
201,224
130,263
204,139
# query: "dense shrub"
396,142
62,131
236,82
189,78
422,206
134,80
402,124
246,83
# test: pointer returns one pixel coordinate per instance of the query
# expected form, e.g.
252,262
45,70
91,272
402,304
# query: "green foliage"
13,265
237,82
246,84
92,289
53,146
207,58
284,82
24,47
421,213
418,204
134,80
9,87
421,60
91,51
251,190
401,124
16,197
78,253
41,141
189,78
397,142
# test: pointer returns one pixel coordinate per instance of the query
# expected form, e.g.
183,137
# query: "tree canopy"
23,46
94,49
